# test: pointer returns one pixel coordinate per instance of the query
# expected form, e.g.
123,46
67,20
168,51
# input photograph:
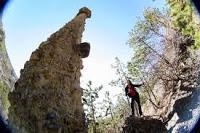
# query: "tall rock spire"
47,96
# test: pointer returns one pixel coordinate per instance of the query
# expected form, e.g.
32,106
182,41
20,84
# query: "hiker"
134,95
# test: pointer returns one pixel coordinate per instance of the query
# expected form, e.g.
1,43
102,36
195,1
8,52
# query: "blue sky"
29,22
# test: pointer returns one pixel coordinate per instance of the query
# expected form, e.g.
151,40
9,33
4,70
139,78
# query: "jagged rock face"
186,115
143,125
47,96
7,75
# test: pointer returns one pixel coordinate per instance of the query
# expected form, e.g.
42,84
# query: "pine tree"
185,19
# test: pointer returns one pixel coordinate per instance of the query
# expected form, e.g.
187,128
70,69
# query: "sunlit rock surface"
7,75
143,125
47,96
187,113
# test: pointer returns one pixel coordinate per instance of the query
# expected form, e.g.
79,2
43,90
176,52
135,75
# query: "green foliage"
148,41
184,19
114,123
4,90
121,73
107,105
111,119
122,107
90,95
147,37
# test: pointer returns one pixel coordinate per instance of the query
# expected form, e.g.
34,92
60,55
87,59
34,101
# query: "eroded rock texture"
47,96
7,75
143,125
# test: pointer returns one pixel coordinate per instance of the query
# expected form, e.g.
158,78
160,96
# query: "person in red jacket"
134,95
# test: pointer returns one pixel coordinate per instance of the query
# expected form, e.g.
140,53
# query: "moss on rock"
7,75
4,90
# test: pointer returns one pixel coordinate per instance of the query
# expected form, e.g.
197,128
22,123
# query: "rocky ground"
143,125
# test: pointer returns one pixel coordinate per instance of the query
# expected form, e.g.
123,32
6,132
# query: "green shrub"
4,90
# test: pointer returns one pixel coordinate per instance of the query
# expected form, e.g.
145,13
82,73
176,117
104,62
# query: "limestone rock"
47,96
7,75
143,125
